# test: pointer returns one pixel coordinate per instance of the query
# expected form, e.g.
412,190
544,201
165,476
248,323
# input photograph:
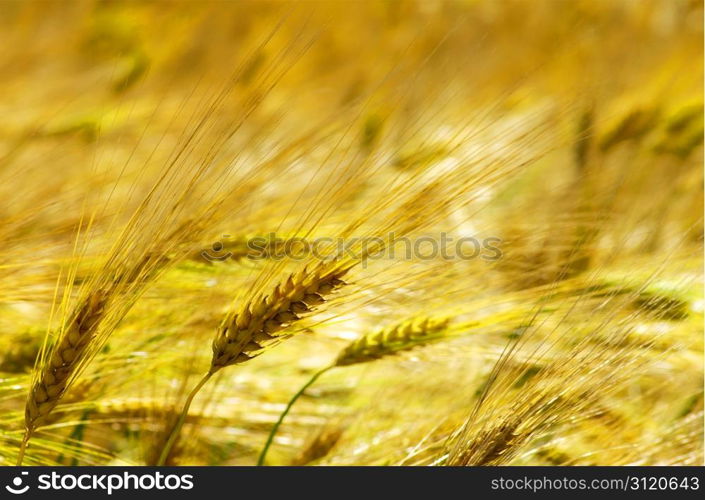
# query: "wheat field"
390,232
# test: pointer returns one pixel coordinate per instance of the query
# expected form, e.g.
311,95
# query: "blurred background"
592,109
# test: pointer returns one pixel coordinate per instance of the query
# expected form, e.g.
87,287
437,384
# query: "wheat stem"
23,446
272,433
176,430
392,340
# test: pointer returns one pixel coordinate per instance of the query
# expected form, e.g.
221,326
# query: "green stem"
272,433
174,434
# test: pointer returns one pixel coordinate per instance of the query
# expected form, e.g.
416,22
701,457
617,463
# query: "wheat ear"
491,445
248,333
49,387
386,342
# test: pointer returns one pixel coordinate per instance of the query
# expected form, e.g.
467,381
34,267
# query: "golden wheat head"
246,334
392,340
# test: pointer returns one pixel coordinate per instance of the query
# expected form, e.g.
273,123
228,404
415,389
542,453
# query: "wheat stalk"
79,338
54,378
255,328
105,301
51,384
378,344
